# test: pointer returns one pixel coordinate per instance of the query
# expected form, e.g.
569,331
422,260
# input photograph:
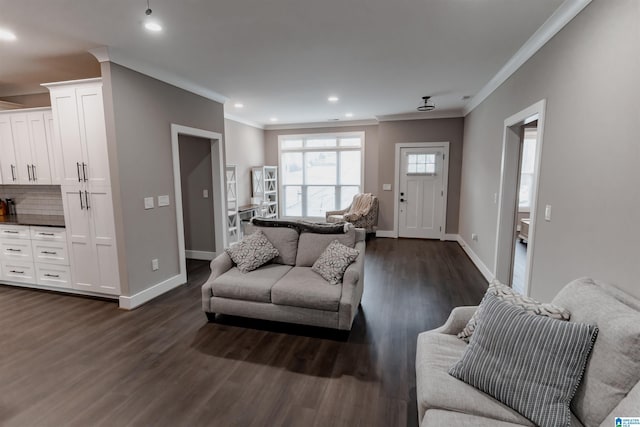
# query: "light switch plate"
148,202
386,187
547,213
205,193
163,200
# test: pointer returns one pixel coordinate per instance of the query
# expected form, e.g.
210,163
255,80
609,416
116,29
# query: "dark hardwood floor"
77,361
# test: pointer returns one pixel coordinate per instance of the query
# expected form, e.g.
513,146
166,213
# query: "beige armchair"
362,212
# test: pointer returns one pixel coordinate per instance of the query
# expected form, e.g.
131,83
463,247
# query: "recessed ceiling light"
153,26
274,119
333,98
238,105
7,35
349,115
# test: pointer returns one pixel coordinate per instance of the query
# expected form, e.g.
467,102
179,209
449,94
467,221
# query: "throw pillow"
333,262
252,252
536,373
529,304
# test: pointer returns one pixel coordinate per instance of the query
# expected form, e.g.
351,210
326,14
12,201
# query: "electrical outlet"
386,187
205,193
148,202
495,197
474,237
163,200
547,213
154,264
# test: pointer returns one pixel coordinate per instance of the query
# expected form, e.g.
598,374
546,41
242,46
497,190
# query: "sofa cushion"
253,286
614,366
311,245
285,240
252,252
535,373
439,418
436,389
334,261
302,287
529,304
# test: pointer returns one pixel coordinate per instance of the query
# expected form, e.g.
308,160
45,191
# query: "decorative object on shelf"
427,104
264,184
233,218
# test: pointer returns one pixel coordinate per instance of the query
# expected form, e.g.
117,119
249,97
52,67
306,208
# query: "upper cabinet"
25,147
78,119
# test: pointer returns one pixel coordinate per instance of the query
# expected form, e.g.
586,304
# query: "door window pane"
320,167
291,168
292,201
421,163
320,200
350,167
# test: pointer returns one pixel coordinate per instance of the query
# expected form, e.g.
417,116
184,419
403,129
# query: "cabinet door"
55,149
67,130
82,253
103,235
7,152
20,129
40,168
94,134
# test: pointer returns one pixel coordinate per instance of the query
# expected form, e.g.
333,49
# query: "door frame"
505,236
445,182
218,198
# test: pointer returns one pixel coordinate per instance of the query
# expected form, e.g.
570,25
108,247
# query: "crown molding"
561,17
107,54
318,125
242,120
444,114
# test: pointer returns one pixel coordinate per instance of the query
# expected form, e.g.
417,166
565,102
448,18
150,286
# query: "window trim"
337,149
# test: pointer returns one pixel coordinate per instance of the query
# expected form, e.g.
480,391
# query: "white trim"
136,300
445,181
561,17
24,110
318,125
72,82
451,237
504,228
55,289
437,114
218,200
201,255
107,54
243,121
386,233
484,270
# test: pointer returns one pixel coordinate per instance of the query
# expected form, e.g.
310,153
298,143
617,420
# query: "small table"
524,229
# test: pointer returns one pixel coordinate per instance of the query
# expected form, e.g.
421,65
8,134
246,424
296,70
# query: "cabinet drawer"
49,234
50,252
14,232
19,271
53,275
16,250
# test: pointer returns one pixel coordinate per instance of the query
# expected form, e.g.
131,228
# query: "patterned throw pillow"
334,262
536,373
252,252
528,304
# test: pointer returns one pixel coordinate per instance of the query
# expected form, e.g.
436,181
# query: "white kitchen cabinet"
19,271
32,148
7,152
78,116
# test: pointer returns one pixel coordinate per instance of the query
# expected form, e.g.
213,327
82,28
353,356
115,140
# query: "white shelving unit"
233,220
264,182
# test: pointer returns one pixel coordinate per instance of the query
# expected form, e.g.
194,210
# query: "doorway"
421,195
215,197
520,173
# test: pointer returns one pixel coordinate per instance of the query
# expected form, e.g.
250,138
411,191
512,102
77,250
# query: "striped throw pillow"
536,373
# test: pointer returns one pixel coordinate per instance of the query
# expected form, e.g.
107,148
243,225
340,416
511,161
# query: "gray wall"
195,176
588,74
139,113
245,148
380,143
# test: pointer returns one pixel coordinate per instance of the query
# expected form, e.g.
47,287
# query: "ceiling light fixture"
427,105
333,98
149,23
274,119
6,35
348,115
238,105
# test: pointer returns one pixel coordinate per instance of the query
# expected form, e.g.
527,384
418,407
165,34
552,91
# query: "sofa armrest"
457,320
340,212
352,289
219,265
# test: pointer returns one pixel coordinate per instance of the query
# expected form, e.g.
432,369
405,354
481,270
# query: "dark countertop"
37,220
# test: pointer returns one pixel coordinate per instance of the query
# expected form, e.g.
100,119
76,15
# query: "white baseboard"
386,233
488,275
129,303
203,255
451,237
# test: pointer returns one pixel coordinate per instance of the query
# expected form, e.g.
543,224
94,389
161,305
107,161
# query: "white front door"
421,193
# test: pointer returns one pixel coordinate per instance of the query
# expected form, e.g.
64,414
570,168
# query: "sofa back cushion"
312,245
614,367
285,240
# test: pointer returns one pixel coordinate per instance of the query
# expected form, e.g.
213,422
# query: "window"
527,168
421,164
320,173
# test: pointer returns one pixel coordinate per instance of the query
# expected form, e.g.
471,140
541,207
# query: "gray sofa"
609,387
287,289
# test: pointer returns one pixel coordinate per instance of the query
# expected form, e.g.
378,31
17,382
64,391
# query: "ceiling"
280,58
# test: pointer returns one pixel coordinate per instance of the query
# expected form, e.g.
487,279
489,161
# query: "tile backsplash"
34,199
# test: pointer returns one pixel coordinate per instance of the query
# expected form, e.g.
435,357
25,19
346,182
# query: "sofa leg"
211,317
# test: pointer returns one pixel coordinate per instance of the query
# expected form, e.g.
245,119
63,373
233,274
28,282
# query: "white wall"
244,146
589,73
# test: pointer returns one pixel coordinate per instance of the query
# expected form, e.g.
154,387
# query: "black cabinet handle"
33,172
84,171
29,172
49,253
80,194
78,170
52,275
46,234
13,172
11,232
86,199
16,271
14,250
